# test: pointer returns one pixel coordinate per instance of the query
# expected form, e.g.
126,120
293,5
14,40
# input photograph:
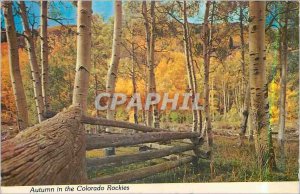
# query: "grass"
119,151
231,164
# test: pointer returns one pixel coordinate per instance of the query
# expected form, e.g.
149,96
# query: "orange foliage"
7,99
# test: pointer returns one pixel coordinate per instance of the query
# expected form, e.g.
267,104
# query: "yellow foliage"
171,73
274,89
124,86
291,103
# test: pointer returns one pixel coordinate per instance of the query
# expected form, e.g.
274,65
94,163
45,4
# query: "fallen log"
117,140
126,177
184,141
121,124
156,146
200,154
111,161
49,153
198,141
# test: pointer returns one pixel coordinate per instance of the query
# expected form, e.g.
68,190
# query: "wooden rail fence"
150,135
54,151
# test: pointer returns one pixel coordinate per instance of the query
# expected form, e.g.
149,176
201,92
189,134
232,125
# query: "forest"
185,91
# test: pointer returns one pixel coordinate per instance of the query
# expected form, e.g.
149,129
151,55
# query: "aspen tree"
14,66
83,61
207,44
283,82
113,67
115,58
35,70
44,54
259,86
189,65
153,115
206,55
245,86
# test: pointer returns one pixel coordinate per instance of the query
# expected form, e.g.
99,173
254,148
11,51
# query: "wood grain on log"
103,141
143,156
49,153
125,177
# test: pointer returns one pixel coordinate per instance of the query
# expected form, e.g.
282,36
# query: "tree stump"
49,153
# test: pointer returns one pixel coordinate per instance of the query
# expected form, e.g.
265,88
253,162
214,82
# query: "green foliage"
122,114
174,117
178,117
60,88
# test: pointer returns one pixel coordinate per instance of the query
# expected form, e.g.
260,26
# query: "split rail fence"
53,152
192,142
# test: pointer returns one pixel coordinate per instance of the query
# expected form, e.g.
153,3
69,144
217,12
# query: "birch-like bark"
153,114
241,17
282,113
206,55
224,98
212,98
151,69
14,67
133,79
207,44
149,114
279,66
245,116
190,69
115,58
113,67
44,55
246,89
250,124
258,85
83,61
195,84
35,70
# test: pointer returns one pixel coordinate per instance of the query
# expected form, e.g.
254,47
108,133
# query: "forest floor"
231,162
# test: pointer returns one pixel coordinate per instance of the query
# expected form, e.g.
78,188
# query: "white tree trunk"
44,54
241,18
35,70
134,85
245,115
14,66
153,115
115,58
152,81
206,55
189,66
83,62
258,84
113,67
250,125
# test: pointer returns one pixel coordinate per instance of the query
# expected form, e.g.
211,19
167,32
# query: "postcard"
121,96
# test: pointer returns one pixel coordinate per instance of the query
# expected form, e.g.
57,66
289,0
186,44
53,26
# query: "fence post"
197,142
